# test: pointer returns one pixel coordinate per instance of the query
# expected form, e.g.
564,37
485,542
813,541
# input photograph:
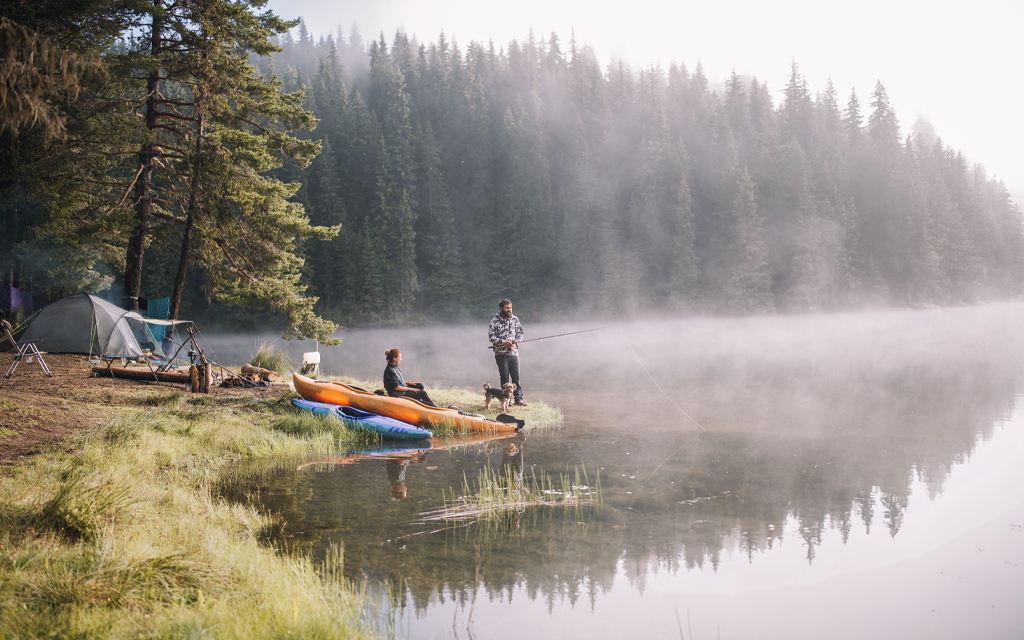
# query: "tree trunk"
140,373
190,224
144,194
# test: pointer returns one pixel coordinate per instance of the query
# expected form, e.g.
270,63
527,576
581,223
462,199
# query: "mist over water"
849,462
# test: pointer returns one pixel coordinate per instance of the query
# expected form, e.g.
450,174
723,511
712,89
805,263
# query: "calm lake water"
840,476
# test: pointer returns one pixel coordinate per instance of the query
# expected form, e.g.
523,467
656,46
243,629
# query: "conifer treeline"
461,175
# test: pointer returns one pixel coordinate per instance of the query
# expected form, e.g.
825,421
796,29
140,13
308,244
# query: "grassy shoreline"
114,531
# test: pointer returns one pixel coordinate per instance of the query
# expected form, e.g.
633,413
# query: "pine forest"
213,152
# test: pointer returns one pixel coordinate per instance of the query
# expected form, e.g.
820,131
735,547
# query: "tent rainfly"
83,323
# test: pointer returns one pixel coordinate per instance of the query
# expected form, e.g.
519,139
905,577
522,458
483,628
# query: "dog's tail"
485,387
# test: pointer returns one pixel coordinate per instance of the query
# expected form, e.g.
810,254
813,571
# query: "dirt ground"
36,410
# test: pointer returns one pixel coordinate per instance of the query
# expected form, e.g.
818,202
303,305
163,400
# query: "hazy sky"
957,64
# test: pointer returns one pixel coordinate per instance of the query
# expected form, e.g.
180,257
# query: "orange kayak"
404,409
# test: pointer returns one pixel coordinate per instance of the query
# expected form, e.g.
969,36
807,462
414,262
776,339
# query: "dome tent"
83,323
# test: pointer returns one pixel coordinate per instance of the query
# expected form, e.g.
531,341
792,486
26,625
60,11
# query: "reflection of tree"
865,502
811,533
894,507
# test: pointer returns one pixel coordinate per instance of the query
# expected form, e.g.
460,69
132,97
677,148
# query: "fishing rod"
571,333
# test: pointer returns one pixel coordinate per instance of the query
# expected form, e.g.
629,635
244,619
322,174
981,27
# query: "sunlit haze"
954,64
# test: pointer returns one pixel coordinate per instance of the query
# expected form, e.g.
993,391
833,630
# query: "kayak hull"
403,409
387,427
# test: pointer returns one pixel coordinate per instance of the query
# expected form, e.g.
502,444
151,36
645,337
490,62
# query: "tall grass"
496,493
271,356
116,533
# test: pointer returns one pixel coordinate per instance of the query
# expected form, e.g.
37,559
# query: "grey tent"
83,323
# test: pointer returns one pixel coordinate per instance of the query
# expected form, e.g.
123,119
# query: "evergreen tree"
749,287
394,205
683,262
797,111
371,299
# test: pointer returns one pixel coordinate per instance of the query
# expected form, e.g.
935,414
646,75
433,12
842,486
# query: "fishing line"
571,333
671,455
656,382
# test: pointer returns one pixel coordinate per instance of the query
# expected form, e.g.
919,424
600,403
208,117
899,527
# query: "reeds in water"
499,492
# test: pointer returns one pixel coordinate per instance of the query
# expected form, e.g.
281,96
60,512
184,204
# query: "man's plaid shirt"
502,329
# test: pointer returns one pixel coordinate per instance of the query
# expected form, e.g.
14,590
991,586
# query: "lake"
839,475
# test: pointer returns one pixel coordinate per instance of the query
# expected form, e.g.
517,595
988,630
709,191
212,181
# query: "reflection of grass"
537,415
498,493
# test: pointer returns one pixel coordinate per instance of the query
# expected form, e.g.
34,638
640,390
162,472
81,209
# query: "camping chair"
27,350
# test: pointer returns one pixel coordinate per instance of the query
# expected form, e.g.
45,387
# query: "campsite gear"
311,363
356,419
15,299
140,373
404,409
238,382
86,324
158,309
27,351
201,374
571,333
510,419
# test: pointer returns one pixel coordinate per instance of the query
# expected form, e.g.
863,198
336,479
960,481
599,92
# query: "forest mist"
463,175
889,373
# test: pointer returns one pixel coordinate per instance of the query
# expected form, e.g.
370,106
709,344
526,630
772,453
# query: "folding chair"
27,350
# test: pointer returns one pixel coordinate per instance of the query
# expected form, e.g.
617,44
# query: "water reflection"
818,437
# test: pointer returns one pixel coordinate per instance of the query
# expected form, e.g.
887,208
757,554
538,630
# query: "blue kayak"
357,419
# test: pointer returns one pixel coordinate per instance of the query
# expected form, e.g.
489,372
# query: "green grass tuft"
78,510
304,423
271,356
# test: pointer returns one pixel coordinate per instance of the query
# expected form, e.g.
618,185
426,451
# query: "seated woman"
396,384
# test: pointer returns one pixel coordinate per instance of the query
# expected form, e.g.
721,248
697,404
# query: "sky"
956,64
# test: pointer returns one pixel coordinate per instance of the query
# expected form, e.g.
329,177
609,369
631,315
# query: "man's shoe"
520,403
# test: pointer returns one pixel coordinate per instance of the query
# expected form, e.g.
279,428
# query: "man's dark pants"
508,370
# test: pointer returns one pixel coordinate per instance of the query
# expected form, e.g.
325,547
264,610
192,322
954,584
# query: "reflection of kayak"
413,451
388,449
356,419
383,451
456,440
404,409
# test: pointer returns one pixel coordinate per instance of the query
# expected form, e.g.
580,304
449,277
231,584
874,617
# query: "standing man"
505,333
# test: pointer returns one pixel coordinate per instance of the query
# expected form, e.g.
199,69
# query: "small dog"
502,395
